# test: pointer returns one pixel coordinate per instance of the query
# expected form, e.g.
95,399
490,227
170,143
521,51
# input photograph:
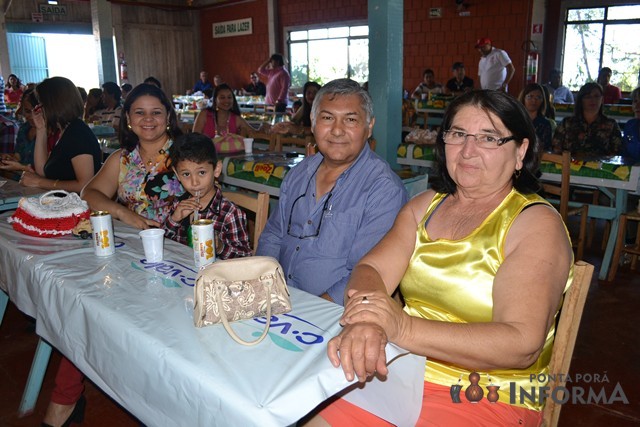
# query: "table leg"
608,253
621,206
36,375
4,300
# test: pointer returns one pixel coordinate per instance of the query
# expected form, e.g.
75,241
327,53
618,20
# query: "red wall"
428,42
234,58
437,43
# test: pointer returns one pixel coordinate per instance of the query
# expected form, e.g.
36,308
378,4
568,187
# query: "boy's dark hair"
195,147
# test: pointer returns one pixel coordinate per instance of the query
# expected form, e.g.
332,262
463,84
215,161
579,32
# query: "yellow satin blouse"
452,281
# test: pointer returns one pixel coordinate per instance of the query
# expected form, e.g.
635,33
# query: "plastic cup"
153,242
248,145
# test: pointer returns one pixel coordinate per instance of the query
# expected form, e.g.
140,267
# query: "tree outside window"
602,37
325,54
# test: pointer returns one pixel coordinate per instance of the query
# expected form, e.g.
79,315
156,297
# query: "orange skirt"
437,410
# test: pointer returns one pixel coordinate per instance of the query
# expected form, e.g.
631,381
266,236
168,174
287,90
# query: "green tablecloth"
262,168
419,152
614,171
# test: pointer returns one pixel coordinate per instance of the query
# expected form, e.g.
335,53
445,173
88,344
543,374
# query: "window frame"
327,25
566,5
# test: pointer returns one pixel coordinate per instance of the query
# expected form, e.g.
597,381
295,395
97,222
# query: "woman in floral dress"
137,173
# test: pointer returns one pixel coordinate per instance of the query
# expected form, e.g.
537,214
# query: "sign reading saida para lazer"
239,27
53,9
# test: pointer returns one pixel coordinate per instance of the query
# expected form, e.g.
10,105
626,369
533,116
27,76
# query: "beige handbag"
240,289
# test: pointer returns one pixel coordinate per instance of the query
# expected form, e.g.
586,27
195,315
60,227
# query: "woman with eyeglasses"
534,101
481,261
588,133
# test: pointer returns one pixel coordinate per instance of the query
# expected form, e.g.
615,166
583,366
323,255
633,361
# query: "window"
324,54
599,37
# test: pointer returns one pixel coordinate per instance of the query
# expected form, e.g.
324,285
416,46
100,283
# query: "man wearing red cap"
495,68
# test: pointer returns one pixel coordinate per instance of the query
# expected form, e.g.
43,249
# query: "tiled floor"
608,342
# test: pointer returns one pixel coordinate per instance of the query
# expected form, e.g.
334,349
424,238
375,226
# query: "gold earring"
517,173
168,127
129,126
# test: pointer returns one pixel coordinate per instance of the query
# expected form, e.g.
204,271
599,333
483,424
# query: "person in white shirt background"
495,68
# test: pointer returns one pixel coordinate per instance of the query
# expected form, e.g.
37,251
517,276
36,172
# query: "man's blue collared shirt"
201,87
349,220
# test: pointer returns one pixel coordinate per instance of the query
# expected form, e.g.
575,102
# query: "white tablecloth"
128,325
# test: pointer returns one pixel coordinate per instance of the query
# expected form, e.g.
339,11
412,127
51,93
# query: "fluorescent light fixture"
52,1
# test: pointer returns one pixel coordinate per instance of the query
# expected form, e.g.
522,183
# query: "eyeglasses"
325,207
483,140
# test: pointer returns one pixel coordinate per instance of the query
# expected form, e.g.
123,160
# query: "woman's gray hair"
343,87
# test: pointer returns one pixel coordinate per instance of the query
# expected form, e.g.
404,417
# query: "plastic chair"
565,339
562,203
258,206
621,248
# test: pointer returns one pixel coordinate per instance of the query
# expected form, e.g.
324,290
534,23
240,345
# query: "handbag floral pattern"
242,300
240,289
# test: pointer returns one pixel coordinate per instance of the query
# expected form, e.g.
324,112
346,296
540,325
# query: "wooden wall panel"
166,53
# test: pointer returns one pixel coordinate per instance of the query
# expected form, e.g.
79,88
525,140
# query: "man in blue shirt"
202,84
336,205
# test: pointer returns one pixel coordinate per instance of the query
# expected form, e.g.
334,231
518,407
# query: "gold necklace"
152,160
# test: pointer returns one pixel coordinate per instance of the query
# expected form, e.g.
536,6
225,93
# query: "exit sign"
53,9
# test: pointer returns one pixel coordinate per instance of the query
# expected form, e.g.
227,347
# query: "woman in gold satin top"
482,262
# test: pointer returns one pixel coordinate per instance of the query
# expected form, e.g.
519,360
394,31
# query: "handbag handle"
59,201
218,290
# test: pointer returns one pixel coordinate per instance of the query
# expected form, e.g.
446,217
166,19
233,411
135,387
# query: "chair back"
264,137
258,207
561,190
562,202
565,339
295,141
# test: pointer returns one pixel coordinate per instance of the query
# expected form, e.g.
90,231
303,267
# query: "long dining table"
259,171
127,324
615,179
12,191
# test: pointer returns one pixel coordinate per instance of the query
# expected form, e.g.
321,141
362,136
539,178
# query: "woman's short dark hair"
18,81
513,116
60,100
114,90
95,93
83,94
532,87
195,147
235,108
585,90
128,139
306,107
29,95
